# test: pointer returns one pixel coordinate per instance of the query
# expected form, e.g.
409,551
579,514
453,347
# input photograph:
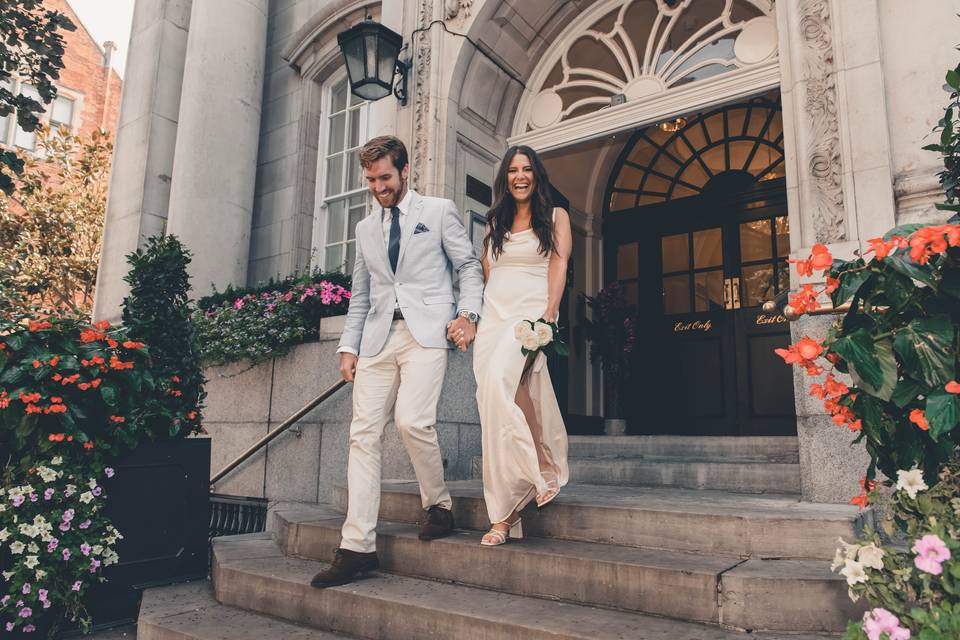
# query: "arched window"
681,158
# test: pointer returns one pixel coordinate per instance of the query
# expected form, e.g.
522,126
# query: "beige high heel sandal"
495,537
553,489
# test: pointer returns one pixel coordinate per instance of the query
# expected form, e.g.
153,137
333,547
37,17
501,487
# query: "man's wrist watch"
469,315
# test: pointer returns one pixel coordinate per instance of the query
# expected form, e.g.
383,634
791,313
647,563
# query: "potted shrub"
612,332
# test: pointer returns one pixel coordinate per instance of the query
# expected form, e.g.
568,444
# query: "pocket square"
421,228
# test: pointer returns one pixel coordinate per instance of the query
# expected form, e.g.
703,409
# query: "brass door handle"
727,293
736,292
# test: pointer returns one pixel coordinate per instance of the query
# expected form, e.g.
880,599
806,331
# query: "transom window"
679,158
344,192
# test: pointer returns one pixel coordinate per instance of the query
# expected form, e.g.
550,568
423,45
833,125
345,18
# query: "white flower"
110,557
853,596
7,575
92,483
530,341
911,481
97,549
70,490
871,556
33,548
16,547
853,572
4,534
57,461
522,327
544,333
3,508
29,530
838,559
41,574
86,497
31,562
47,474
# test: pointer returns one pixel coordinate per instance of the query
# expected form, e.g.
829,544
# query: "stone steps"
252,573
714,589
739,476
705,522
190,612
756,449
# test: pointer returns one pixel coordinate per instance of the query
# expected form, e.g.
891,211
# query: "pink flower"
26,588
34,497
48,494
64,526
42,594
109,472
931,551
52,545
85,549
29,628
66,554
85,524
4,600
9,626
94,565
26,612
238,303
76,586
68,515
880,621
18,500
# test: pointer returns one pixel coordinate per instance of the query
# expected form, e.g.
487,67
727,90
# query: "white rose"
853,572
871,556
522,327
544,333
16,547
31,562
530,341
911,481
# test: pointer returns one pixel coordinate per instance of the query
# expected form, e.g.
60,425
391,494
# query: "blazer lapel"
413,217
375,237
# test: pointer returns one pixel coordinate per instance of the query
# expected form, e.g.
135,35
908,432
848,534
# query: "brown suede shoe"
436,523
347,565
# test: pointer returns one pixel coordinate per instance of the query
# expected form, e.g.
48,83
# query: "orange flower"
860,501
930,241
54,360
70,379
91,335
32,408
118,364
805,300
56,408
112,343
103,325
4,400
117,419
192,415
832,285
820,258
918,418
130,344
175,392
52,437
95,382
952,387
69,438
3,345
38,325
27,398
88,445
56,399
57,377
83,386
37,364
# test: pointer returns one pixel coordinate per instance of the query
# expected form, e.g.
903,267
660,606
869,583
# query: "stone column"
214,170
144,145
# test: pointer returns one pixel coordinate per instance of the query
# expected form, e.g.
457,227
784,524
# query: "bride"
525,257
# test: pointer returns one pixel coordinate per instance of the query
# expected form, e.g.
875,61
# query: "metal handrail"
771,306
281,428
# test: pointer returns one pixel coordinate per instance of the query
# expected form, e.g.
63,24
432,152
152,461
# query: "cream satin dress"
516,290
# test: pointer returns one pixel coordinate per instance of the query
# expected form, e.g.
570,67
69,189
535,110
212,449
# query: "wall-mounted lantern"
371,52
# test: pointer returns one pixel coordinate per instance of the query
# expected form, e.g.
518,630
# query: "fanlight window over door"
642,48
679,158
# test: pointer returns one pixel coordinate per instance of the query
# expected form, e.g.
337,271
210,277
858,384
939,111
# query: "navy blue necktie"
393,247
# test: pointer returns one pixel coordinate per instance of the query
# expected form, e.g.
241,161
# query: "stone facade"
861,82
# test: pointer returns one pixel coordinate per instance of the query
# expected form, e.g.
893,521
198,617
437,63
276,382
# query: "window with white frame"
58,113
343,188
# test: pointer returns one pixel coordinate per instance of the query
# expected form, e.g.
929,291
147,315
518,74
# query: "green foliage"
612,334
50,235
261,323
31,48
949,144
158,312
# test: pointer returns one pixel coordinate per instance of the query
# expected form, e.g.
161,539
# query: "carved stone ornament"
421,98
824,162
454,7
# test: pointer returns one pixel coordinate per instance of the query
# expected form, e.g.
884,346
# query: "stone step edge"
700,604
171,613
562,615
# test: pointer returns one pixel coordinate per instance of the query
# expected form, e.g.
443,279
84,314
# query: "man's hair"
382,146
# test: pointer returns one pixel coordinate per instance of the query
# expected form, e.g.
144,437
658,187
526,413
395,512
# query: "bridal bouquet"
539,335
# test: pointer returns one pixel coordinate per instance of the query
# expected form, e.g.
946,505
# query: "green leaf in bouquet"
925,347
950,282
860,351
562,349
942,412
16,340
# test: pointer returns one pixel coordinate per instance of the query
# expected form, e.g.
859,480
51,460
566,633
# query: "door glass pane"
783,276
676,294
336,219
334,174
676,252
631,291
782,224
757,285
708,291
707,248
755,240
627,261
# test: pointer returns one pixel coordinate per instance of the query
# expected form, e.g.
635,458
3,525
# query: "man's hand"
348,365
461,332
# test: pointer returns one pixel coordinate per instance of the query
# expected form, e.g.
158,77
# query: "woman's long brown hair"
504,209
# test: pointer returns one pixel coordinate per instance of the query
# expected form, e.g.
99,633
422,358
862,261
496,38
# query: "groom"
394,345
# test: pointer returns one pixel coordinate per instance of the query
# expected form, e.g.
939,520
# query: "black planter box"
159,500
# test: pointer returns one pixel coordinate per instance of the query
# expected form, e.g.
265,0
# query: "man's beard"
397,195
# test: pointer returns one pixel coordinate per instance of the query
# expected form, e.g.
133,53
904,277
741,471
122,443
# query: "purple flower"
64,526
109,472
42,594
34,497
9,626
94,565
48,494
47,604
52,545
26,588
97,491
66,554
85,549
880,621
85,524
68,515
26,612
238,303
18,500
931,551
29,628
4,600
76,586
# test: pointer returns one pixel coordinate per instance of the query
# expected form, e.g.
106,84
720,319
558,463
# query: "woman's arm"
483,258
557,270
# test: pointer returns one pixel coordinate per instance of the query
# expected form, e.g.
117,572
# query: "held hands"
348,366
461,332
